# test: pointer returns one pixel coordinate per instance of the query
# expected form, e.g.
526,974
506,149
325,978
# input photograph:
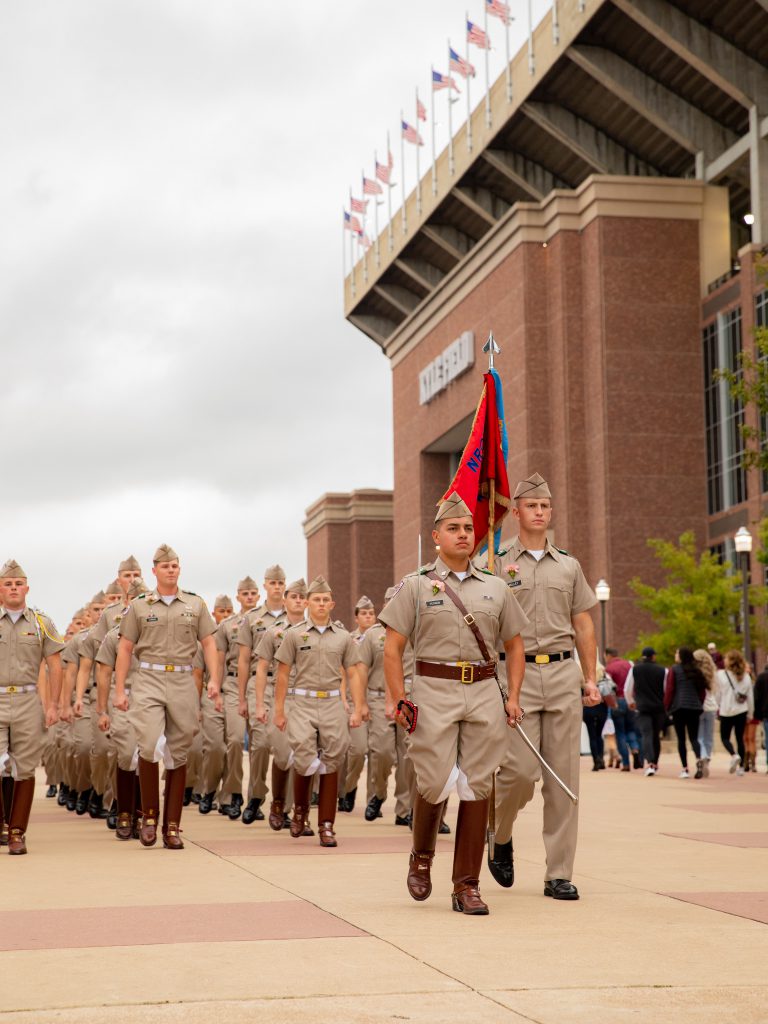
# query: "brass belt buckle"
11,689
469,618
169,668
467,671
542,659
321,693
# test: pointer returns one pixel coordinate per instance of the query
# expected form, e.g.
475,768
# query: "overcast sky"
176,365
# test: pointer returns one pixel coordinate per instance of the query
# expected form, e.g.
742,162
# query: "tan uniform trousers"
459,739
318,732
164,703
355,761
234,739
81,749
195,763
51,759
260,742
405,779
22,734
382,745
551,697
214,748
102,762
279,743
122,735
67,753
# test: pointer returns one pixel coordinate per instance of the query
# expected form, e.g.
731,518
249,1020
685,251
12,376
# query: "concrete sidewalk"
250,925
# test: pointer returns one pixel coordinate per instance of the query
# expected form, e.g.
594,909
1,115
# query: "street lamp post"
603,595
743,544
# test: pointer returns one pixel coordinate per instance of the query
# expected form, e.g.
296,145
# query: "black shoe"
314,800
349,800
51,792
112,817
96,808
561,889
403,821
252,812
444,830
206,803
71,801
83,799
61,799
235,807
341,804
502,864
187,796
373,810
637,761
196,798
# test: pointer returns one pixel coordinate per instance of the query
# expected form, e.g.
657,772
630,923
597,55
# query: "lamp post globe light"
743,544
603,595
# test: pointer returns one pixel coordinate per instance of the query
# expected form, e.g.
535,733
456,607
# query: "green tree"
699,602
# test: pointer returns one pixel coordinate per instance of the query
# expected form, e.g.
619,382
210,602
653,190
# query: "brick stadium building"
599,226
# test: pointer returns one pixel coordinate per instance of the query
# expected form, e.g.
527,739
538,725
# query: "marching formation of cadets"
431,690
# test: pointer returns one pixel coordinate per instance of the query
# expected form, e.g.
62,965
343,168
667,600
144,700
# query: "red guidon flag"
483,462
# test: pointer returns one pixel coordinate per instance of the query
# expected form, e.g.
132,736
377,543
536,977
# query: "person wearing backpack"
736,704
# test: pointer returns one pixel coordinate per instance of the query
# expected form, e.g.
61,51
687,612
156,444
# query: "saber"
543,763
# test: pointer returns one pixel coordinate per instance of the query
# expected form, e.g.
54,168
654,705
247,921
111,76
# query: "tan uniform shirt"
227,641
269,644
167,634
23,645
442,634
253,629
318,656
372,654
107,652
111,616
71,653
549,591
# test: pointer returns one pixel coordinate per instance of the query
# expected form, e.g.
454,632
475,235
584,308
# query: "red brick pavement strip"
752,905
745,840
308,847
165,925
723,808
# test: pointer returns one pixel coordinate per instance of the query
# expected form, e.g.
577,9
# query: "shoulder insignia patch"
562,551
488,572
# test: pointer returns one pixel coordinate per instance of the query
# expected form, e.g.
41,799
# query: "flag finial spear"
492,349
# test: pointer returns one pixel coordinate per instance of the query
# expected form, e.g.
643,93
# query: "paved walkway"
247,925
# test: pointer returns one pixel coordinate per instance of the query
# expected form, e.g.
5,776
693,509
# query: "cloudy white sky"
176,365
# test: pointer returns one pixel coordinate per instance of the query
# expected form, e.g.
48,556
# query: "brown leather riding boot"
326,808
468,852
175,781
301,787
277,807
149,778
23,794
125,804
426,820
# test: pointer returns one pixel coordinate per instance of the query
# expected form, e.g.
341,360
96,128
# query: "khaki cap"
12,571
165,553
390,593
297,587
223,601
137,587
363,602
452,507
129,564
249,583
113,588
319,585
274,572
534,487
99,598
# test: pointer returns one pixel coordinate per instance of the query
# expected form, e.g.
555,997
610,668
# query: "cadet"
27,638
163,627
318,728
550,588
454,614
365,616
214,747
382,730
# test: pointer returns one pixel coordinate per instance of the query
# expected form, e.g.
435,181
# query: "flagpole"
365,253
402,174
451,163
491,348
376,210
344,243
509,64
555,24
390,239
418,172
487,71
434,159
531,59
469,105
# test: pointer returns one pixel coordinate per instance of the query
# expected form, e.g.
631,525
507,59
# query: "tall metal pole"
745,605
602,627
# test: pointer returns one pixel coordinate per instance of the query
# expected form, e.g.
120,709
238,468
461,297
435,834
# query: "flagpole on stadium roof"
343,243
434,157
469,105
402,174
487,69
531,58
508,75
555,24
418,172
451,162
375,212
390,238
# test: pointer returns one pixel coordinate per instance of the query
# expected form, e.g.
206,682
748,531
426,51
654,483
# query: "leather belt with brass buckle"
463,671
28,688
545,659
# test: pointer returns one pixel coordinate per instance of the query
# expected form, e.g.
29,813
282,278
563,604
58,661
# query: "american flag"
411,135
383,172
476,35
421,110
371,187
459,65
351,223
499,10
364,240
442,82
358,205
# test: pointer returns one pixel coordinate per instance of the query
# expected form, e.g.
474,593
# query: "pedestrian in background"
627,738
736,705
595,718
709,710
684,700
644,693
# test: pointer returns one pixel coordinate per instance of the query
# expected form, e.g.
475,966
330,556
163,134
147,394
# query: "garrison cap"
275,572
452,507
297,587
534,487
249,583
390,593
129,564
319,585
12,571
165,553
363,602
113,588
223,601
99,598
137,587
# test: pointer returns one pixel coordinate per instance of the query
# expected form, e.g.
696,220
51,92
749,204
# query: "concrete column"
758,177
